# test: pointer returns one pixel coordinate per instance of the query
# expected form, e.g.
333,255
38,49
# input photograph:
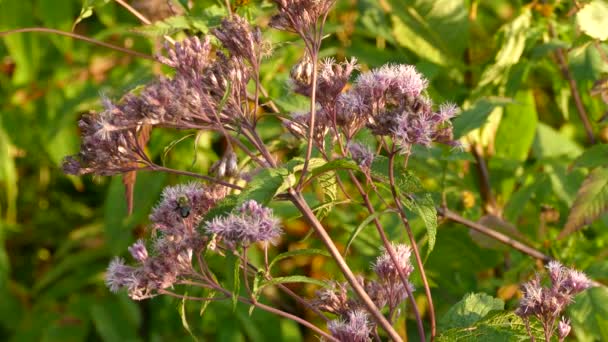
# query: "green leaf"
264,186
222,208
338,164
591,202
87,10
472,308
477,115
497,327
405,180
592,19
236,282
296,252
589,313
183,315
434,30
293,279
8,179
356,231
116,319
517,128
329,187
596,155
550,143
511,50
424,206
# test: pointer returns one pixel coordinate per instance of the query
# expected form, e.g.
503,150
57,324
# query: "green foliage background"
495,59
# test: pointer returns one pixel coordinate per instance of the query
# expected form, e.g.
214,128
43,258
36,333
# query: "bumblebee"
183,206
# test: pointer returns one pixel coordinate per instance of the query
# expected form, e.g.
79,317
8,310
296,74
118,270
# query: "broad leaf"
472,308
589,314
591,202
264,186
477,115
595,156
498,327
519,119
424,206
356,231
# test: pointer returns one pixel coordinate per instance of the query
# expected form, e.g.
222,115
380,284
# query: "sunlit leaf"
591,202
472,308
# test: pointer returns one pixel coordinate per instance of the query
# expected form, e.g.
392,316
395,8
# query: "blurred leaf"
58,14
592,19
591,202
8,178
183,314
87,10
589,314
293,279
594,156
116,319
550,143
437,31
477,115
519,118
363,224
511,49
24,48
296,252
472,308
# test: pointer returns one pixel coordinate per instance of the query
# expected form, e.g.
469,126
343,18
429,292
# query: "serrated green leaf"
296,252
592,19
293,279
424,206
472,308
236,282
329,187
338,164
224,207
406,181
588,312
596,155
477,115
264,186
591,202
497,327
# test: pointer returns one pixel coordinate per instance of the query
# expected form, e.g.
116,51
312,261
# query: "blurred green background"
495,59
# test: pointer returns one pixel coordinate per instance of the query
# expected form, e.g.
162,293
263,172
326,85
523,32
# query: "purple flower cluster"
355,328
362,154
175,217
389,100
301,16
548,303
206,92
250,223
184,205
389,289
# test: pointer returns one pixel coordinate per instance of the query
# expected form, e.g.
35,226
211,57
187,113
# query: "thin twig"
567,74
452,216
154,167
141,17
79,37
485,187
301,204
410,234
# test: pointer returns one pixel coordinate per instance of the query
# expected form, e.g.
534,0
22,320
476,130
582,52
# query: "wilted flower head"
362,154
300,16
138,251
332,77
355,328
249,223
386,269
119,275
333,299
182,207
240,38
188,56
